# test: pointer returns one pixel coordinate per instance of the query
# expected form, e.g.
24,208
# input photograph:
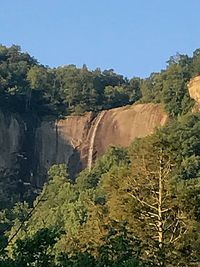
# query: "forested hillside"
27,86
137,206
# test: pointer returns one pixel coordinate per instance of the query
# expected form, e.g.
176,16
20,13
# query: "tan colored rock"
27,150
121,126
194,89
78,140
57,142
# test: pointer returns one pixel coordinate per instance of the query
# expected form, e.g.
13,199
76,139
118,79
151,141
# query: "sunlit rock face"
120,126
194,91
63,141
29,149
79,140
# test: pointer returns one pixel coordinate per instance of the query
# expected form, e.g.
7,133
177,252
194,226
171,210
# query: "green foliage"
115,96
26,86
119,247
103,214
183,141
114,156
80,259
137,206
36,250
58,197
170,85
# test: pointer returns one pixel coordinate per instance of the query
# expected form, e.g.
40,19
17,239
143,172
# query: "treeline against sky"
27,86
138,206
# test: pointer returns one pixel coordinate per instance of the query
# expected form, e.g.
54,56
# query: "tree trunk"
160,217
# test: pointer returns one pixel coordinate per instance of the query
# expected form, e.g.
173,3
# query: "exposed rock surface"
60,142
121,126
194,88
90,136
76,140
194,91
11,135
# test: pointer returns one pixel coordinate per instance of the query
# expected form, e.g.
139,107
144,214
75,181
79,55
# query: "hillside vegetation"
27,86
137,206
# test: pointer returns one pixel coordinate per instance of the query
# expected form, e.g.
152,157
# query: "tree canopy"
138,206
28,86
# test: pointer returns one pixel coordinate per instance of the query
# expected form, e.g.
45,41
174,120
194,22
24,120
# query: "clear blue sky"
134,37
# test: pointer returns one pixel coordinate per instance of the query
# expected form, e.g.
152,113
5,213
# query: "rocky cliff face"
76,141
194,88
17,146
194,91
79,140
11,135
63,141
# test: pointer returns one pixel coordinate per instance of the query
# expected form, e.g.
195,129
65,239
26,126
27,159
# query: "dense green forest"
138,206
27,86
